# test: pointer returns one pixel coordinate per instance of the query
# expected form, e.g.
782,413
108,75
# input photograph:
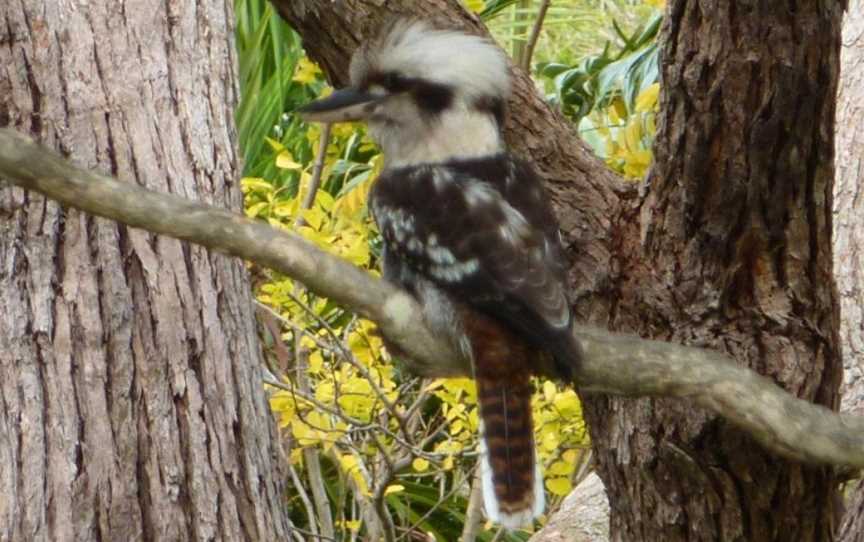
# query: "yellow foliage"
347,408
306,71
559,486
628,135
475,6
284,160
394,488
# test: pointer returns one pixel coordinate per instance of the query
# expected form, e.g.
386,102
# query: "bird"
468,230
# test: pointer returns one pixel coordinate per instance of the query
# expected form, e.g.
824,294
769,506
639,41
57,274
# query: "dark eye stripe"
431,98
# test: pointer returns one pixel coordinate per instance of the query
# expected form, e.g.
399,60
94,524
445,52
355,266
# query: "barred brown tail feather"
510,473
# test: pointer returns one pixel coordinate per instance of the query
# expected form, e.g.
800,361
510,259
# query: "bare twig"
297,328
304,498
456,487
612,363
311,455
474,513
528,52
317,168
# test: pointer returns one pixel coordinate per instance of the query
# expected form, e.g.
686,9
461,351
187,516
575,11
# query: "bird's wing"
456,226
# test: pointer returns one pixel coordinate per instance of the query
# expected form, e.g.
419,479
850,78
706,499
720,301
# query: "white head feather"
472,69
471,65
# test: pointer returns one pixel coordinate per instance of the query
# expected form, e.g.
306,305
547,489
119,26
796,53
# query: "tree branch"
525,61
614,364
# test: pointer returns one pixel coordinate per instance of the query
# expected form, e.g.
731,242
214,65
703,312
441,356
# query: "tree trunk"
849,208
132,405
849,237
734,253
730,248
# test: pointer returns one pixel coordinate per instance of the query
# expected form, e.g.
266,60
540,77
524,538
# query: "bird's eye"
394,82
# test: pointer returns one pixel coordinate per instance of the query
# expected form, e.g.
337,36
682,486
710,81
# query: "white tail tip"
510,520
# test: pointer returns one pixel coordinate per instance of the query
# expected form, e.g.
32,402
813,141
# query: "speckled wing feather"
483,231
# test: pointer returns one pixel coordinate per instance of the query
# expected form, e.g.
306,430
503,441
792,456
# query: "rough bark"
131,393
852,526
849,208
735,254
583,516
849,238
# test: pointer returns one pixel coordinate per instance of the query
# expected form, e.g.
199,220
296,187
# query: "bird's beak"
345,105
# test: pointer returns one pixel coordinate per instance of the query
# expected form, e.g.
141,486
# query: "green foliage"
613,96
572,29
597,80
268,56
623,136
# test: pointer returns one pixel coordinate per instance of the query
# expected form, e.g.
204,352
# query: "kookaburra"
468,230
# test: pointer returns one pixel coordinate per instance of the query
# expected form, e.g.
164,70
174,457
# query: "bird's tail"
510,472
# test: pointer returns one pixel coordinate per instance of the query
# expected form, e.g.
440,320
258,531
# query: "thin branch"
317,167
474,513
304,498
535,35
441,500
311,454
612,363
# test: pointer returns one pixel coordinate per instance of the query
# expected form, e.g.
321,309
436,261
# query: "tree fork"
728,247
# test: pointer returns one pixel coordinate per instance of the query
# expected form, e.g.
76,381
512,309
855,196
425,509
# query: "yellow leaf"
296,456
324,199
325,392
456,427
435,384
559,486
315,217
567,404
305,435
395,488
253,184
448,463
353,524
285,161
254,210
549,440
647,99
475,6
560,468
570,456
306,71
275,145
617,110
420,464
549,390
316,362
633,136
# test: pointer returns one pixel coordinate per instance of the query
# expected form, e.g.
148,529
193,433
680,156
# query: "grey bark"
583,516
849,207
131,404
849,239
734,253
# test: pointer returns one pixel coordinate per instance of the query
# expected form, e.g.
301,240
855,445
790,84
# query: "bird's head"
428,95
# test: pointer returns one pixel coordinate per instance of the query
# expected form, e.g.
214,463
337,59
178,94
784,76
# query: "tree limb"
613,364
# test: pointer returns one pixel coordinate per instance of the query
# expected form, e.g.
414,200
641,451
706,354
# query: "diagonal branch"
613,364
